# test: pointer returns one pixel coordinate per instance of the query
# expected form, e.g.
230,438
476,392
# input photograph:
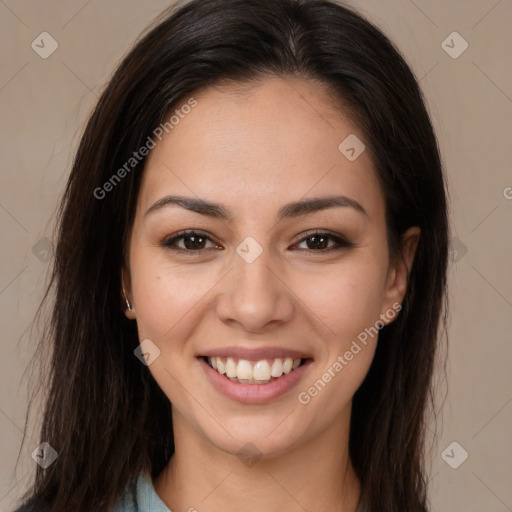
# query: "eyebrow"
290,210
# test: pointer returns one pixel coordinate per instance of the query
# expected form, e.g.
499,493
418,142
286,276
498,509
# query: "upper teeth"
261,370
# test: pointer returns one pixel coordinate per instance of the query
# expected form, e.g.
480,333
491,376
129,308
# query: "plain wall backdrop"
44,103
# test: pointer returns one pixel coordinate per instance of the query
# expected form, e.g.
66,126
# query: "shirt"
142,497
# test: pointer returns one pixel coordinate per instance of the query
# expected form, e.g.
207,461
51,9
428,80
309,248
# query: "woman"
250,273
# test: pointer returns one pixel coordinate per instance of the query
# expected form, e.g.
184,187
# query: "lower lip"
254,393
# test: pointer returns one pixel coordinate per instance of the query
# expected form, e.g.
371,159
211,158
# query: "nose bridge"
253,269
255,295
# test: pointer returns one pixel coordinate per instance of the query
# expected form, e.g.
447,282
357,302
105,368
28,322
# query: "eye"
318,242
193,242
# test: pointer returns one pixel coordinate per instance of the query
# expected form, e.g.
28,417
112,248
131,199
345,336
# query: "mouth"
254,372
254,375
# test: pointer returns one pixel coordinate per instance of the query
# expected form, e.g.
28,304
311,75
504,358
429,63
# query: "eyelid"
169,240
341,242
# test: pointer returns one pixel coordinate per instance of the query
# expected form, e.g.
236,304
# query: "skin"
317,303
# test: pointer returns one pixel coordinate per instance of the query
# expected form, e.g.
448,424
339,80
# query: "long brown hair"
105,415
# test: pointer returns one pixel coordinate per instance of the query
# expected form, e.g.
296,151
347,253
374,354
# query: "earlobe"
130,310
398,276
128,305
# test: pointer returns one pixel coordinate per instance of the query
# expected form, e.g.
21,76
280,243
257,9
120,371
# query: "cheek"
343,297
346,298
166,294
348,302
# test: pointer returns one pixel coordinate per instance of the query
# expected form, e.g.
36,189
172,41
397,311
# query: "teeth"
244,369
277,368
230,368
249,373
287,365
261,370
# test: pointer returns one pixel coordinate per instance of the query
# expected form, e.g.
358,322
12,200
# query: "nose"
254,295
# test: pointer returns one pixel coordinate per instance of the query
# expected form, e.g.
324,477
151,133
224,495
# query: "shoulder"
127,502
140,496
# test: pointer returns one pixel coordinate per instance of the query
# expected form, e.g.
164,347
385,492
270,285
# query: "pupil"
317,244
194,245
197,241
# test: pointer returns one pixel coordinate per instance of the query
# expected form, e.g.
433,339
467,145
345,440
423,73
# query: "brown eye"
192,241
195,243
319,242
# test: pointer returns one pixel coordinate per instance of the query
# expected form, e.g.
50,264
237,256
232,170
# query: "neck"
316,475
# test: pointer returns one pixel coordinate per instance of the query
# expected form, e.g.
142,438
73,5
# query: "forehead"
278,138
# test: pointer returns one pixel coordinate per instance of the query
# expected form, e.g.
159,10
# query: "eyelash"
342,243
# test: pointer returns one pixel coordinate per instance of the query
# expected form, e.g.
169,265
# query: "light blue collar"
140,497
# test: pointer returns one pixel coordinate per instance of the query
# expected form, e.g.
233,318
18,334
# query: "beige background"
44,103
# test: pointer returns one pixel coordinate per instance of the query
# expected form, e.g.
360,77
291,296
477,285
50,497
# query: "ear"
398,274
126,294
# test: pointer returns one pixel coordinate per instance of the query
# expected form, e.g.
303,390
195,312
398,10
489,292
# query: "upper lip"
255,353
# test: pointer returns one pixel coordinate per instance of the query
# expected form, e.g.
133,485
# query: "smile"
260,372
256,375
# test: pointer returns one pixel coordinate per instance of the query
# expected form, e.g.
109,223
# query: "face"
268,286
